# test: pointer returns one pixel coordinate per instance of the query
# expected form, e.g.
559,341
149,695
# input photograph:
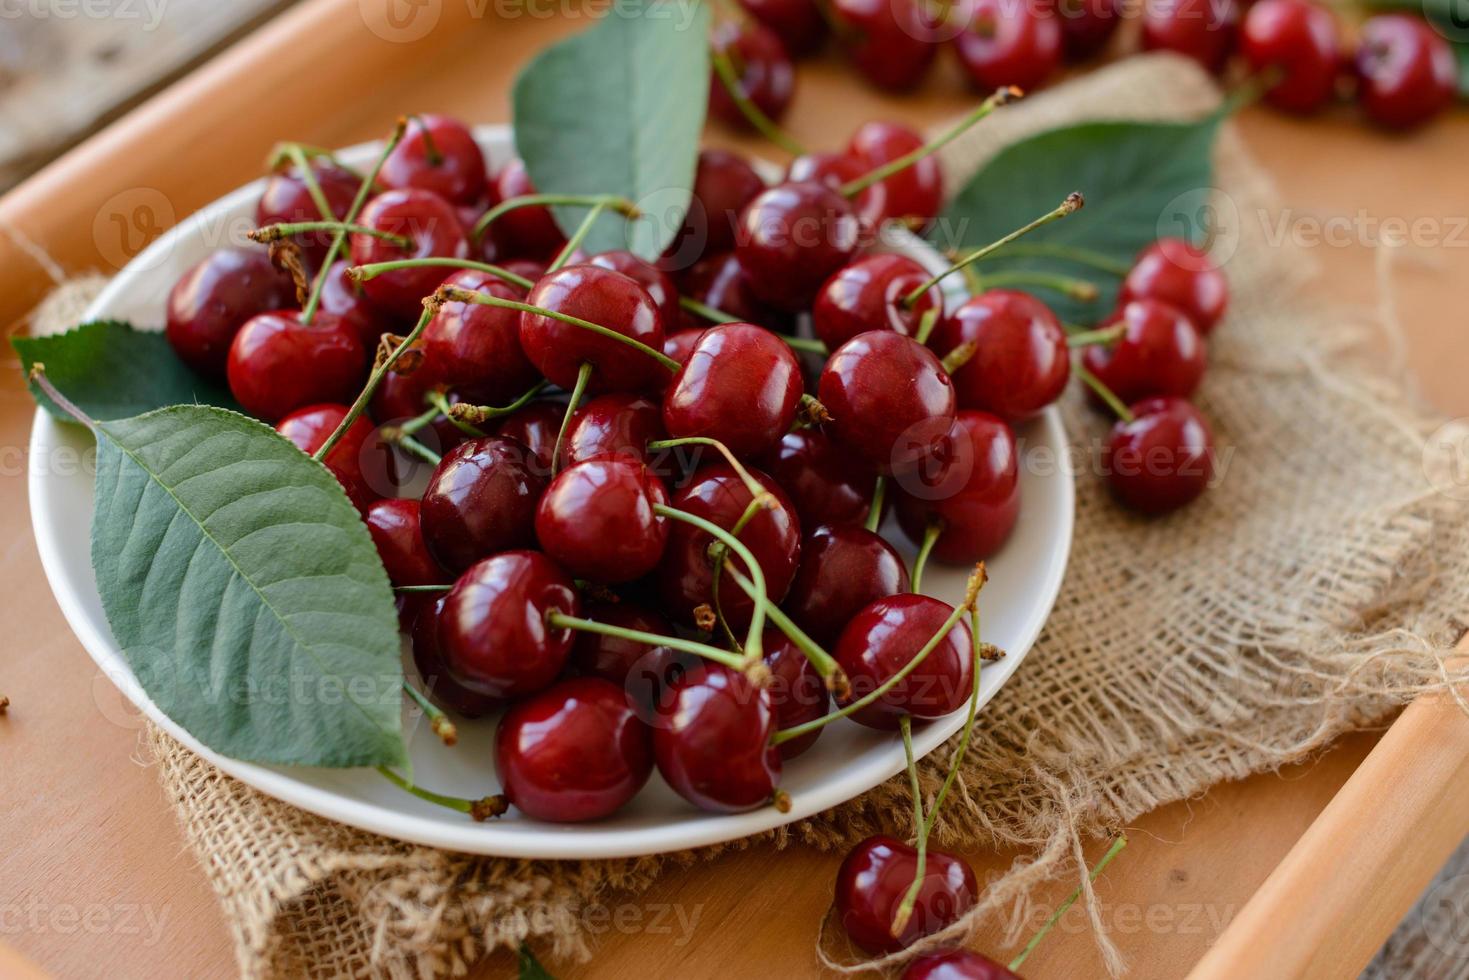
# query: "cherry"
529,231
535,426
278,364
1005,43
876,875
606,298
1162,459
344,297
475,349
308,430
797,691
957,964
437,154
720,281
844,569
881,639
890,41
1301,41
396,531
642,671
1181,275
493,630
1406,72
211,302
597,520
531,269
657,282
798,23
430,224
826,483
764,70
740,386
429,660
1159,353
574,752
889,398
1086,26
868,295
971,484
711,739
1021,363
836,169
400,397
912,194
286,200
724,183
717,494
1204,30
616,426
481,499
792,237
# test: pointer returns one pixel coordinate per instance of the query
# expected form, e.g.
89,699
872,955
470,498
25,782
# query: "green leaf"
1461,52
1140,180
112,370
244,590
618,109
530,967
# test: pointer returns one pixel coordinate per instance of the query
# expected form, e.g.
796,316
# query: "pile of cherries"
1403,71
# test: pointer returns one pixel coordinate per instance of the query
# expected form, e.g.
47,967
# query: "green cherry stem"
362,273
920,560
724,68
1069,253
718,552
1062,909
442,726
756,489
1068,286
926,323
274,233
291,152
612,202
473,415
1091,338
874,511
959,753
580,235
753,651
705,311
297,156
440,402
430,146
825,664
959,356
562,621
412,445
904,911
481,810
1103,392
414,425
808,344
583,375
422,588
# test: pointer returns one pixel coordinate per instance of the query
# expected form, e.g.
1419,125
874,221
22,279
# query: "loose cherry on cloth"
724,183
890,41
972,487
914,194
617,426
1086,26
608,299
1406,71
793,236
1006,43
287,199
1158,353
1021,362
475,349
1204,30
432,228
762,66
438,154
214,299
1161,459
799,24
957,964
711,740
535,427
398,535
881,640
826,483
597,519
481,499
844,569
435,673
876,875
1301,41
278,364
1181,274
530,232
889,398
869,294
796,690
741,386
308,429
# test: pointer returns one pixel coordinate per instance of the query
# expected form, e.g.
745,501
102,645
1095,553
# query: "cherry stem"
874,513
920,561
756,489
38,375
1000,97
274,233
753,651
729,78
1073,203
1069,286
412,445
970,594
442,726
1070,253
583,375
611,202
1091,338
292,152
456,294
562,621
904,911
959,753
481,809
1103,392
297,156
415,424
1062,909
362,273
473,415
422,588
718,553
831,672
926,323
440,402
430,148
580,235
959,356
706,312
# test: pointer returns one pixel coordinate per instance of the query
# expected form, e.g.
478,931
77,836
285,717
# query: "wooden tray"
1298,875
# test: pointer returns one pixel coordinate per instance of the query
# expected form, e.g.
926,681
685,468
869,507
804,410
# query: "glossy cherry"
971,484
535,426
531,232
711,740
836,169
720,281
1182,275
881,639
616,426
400,397
641,670
213,300
797,691
741,386
793,236
437,154
429,660
431,225
1086,26
596,519
395,529
475,349
481,499
876,875
1159,354
1022,361
309,428
608,299
890,41
573,752
889,398
844,569
1204,30
762,66
868,295
826,483
1406,71
493,631
1162,459
1007,43
798,23
278,364
957,964
1299,39
286,199
914,195
724,183
658,283
344,297
680,345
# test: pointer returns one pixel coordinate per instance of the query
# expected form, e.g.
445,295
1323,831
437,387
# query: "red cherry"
720,281
535,426
741,386
287,200
1159,354
211,302
344,297
1086,26
844,569
657,282
597,520
723,184
914,193
798,23
1022,361
493,631
617,426
1204,30
711,739
606,298
308,430
481,499
430,223
890,41
717,494
475,349
763,68
1406,72
530,231
835,170
396,531
1181,275
429,660
868,295
971,484
642,671
797,691
889,398
792,237
827,484
881,639
876,875
573,752
437,154
400,397
1162,459
1302,41
957,964
1004,43
278,364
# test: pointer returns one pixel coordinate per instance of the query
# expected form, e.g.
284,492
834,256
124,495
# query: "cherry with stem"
561,621
879,493
472,415
611,202
1106,394
920,560
831,672
481,810
578,391
362,273
442,726
580,235
729,78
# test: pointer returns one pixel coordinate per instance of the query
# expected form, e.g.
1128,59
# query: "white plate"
846,761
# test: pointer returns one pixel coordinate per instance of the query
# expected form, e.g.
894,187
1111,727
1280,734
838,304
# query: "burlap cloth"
1311,593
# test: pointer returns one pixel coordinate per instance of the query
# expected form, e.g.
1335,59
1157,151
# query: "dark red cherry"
429,660
493,631
1204,30
1303,42
711,739
797,691
773,536
345,298
1022,361
535,426
1086,26
530,231
657,282
764,70
957,964
286,200
723,184
1159,354
396,531
971,484
868,295
741,385
278,364
617,426
720,281
881,639
475,349
597,520
481,499
826,483
835,170
574,752
308,430
1007,43
1162,459
792,237
641,670
608,299
1181,275
914,195
211,302
890,41
400,397
531,269
431,225
875,877
889,398
1406,72
437,154
844,569
798,23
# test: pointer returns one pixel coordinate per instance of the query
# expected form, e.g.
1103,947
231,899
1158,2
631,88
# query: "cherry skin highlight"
398,535
608,299
876,875
797,691
475,349
481,499
1006,43
287,200
596,519
793,236
1163,459
957,964
740,386
278,364
914,195
214,299
657,282
826,483
762,67
971,484
844,569
1181,275
868,295
437,154
711,740
881,639
432,227
1406,72
837,169
617,426
1022,362
529,232
1302,41
1159,354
